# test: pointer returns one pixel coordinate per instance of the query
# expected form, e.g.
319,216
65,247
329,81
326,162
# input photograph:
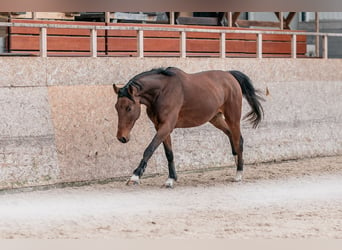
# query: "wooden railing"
51,39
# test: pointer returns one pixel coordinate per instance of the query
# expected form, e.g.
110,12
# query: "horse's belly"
199,109
193,120
188,124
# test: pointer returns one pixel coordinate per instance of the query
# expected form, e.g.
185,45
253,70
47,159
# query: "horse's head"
128,108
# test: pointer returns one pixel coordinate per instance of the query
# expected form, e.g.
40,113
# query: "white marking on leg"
135,180
238,176
169,183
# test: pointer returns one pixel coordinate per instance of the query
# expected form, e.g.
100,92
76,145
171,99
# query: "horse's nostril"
123,139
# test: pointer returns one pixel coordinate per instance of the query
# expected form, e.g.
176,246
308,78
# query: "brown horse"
175,99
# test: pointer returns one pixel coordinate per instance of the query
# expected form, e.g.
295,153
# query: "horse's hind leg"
237,142
219,122
232,130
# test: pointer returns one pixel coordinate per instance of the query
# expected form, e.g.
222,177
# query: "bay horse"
175,99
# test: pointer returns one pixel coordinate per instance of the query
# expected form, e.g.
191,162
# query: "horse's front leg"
160,136
169,156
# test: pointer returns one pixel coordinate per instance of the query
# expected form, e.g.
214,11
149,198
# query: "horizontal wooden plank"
54,31
56,22
165,45
122,33
279,37
55,43
122,44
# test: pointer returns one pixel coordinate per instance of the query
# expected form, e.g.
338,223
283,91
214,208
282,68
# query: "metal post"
294,46
317,30
281,19
172,18
43,42
140,43
93,44
325,47
259,45
183,44
223,45
107,17
230,19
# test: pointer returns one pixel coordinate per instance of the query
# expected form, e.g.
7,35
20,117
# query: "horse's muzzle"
123,139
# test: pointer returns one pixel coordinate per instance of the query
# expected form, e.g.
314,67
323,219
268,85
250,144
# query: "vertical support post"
140,43
172,18
294,46
325,47
317,30
107,17
43,42
230,19
93,43
223,45
259,45
107,21
281,19
34,15
183,44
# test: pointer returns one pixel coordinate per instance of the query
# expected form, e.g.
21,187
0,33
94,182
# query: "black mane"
123,92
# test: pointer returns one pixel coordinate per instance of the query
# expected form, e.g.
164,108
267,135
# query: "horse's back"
205,94
210,84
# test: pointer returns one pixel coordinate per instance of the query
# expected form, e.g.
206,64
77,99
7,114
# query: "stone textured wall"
58,122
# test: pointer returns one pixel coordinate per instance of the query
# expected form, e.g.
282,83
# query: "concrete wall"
58,122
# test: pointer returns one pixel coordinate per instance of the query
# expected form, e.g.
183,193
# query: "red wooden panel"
54,43
301,48
24,42
122,54
199,45
122,33
276,48
165,44
279,37
122,44
241,46
238,36
24,30
203,35
73,43
162,34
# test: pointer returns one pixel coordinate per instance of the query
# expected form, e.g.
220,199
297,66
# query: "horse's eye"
128,109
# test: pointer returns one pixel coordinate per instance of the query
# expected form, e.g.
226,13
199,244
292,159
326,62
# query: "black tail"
252,97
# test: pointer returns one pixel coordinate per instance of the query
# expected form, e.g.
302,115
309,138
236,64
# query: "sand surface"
293,199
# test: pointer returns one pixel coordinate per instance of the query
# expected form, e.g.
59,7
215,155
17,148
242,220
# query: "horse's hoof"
169,183
238,176
133,181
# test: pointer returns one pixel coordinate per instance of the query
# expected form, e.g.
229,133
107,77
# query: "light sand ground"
294,199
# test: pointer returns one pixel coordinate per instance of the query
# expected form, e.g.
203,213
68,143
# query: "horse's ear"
131,90
116,89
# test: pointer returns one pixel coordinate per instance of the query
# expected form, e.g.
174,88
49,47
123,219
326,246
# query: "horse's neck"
149,93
